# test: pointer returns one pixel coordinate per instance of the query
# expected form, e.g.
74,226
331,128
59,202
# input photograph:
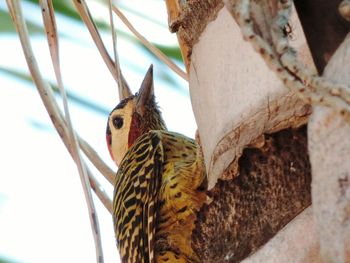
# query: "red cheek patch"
134,132
109,143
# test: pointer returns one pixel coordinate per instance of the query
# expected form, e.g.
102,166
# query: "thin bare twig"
45,90
50,26
114,38
151,47
100,192
123,88
104,169
85,15
54,112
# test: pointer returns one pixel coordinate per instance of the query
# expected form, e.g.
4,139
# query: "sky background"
43,214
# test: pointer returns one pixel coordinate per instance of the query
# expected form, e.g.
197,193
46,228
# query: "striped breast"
158,189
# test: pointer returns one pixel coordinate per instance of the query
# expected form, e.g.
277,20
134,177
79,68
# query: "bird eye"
118,122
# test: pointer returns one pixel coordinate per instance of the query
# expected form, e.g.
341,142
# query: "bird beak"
146,92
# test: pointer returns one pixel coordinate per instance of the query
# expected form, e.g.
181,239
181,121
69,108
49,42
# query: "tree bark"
295,243
271,188
252,131
330,157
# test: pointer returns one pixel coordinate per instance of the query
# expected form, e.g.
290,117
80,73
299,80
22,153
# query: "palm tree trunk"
253,133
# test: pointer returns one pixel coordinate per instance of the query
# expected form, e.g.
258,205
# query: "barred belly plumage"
159,186
162,167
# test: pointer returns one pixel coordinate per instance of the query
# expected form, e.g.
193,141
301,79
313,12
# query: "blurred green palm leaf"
66,9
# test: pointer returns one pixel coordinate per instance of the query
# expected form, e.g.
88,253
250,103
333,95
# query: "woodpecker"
160,183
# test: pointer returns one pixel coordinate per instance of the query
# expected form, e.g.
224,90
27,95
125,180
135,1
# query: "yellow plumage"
159,187
157,192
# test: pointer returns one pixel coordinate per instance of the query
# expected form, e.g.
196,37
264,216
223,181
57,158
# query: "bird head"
133,116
